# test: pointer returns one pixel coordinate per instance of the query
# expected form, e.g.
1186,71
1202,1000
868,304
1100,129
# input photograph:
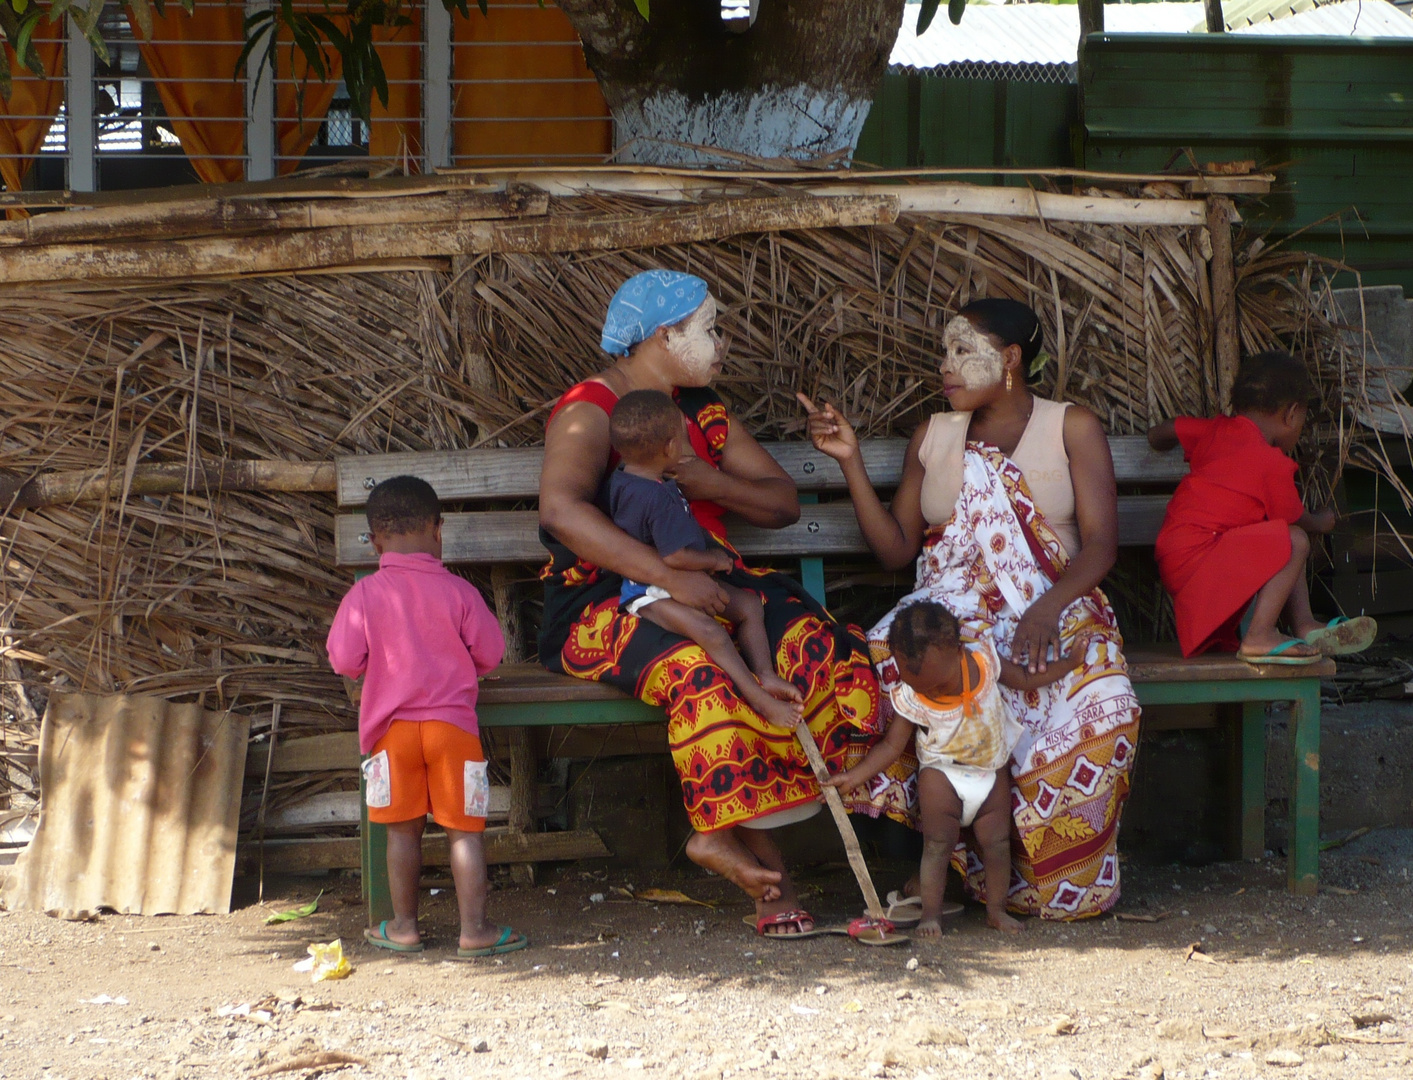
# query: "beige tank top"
1040,456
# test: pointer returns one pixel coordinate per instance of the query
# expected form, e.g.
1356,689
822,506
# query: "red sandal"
796,918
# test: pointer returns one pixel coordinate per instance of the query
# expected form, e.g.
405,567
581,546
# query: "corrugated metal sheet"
1352,18
140,804
1049,34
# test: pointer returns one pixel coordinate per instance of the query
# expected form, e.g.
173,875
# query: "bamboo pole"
238,216
52,489
1226,332
349,245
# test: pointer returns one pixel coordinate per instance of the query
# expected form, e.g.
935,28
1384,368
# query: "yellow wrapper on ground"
326,962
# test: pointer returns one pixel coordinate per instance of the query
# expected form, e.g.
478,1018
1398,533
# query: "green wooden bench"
523,696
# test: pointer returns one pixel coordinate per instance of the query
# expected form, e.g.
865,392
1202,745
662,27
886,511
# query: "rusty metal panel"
140,805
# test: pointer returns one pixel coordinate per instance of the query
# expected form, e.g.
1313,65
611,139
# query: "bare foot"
779,688
927,928
999,920
1261,643
401,932
802,926
484,936
721,853
786,714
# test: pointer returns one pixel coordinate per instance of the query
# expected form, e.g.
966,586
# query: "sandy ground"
1318,987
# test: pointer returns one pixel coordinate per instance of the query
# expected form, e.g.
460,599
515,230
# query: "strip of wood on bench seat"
1149,663
498,473
512,536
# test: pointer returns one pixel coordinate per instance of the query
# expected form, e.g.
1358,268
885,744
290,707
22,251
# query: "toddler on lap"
645,429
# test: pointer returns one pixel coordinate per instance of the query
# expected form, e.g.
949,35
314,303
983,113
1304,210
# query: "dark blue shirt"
654,512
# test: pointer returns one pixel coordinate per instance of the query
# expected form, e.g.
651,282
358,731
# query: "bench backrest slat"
499,473
500,537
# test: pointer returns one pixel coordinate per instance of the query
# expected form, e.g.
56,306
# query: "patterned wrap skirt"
1070,770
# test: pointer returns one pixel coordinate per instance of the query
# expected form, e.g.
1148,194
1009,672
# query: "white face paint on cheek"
693,343
971,356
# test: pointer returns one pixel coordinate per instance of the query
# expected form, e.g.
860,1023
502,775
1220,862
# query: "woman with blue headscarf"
741,776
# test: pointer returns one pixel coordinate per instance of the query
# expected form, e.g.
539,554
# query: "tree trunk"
797,84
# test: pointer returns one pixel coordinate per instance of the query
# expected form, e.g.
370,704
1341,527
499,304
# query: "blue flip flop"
509,941
1342,636
1275,656
379,940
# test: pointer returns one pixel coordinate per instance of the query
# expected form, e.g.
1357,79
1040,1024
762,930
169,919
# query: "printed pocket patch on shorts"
377,784
476,787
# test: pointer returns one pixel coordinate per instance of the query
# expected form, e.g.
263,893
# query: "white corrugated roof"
1352,18
1049,34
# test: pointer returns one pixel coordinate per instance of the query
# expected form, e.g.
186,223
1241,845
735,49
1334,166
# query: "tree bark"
1216,21
796,85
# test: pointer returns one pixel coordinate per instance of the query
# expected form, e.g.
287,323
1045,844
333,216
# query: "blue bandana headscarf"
647,301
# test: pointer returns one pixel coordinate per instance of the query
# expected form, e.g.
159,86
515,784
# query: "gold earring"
1008,382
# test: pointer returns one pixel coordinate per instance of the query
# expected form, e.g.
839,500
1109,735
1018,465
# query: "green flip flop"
379,940
1342,636
509,941
1276,655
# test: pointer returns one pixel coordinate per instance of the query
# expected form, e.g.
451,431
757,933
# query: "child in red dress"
1236,535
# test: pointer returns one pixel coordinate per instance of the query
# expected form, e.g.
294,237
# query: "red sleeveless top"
703,410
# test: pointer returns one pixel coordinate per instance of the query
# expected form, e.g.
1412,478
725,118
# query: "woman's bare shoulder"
1082,428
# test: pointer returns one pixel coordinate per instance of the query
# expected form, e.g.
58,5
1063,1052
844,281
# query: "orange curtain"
532,97
396,131
25,118
193,57
205,105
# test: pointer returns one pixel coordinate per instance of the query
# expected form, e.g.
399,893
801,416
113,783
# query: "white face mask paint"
695,344
971,356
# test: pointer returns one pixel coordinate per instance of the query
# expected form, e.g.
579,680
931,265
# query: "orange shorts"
427,766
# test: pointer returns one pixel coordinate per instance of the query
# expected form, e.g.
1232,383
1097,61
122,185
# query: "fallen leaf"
1363,1020
668,896
1133,916
1373,1040
1330,845
1194,952
853,1007
320,1060
1061,1025
295,913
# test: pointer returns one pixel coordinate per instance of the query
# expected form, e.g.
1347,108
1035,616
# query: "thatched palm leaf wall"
230,594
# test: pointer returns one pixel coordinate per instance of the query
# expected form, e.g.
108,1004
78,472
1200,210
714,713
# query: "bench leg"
1253,779
373,851
1304,861
523,769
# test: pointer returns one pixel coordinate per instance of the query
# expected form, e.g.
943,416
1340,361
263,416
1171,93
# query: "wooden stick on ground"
841,819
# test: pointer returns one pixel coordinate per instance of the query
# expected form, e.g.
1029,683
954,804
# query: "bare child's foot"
778,688
725,855
928,928
999,920
784,714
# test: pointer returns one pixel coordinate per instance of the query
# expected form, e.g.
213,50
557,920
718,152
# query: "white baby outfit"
966,738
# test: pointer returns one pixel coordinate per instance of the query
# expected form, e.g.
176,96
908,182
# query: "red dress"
1227,528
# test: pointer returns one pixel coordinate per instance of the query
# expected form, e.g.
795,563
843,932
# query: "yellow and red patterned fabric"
1070,770
734,767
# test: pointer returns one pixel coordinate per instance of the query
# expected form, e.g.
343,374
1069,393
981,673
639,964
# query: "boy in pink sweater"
419,635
